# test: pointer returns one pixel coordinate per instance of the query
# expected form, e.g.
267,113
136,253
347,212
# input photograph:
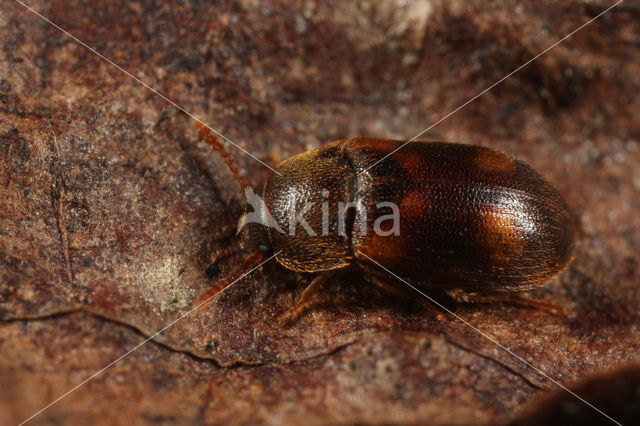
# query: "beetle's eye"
212,270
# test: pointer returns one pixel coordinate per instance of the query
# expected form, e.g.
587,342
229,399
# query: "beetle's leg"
303,302
215,291
460,295
405,292
222,242
518,300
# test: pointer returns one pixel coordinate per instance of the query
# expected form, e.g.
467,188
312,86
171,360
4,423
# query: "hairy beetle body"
469,217
472,221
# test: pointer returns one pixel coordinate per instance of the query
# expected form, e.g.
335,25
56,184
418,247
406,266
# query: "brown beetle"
474,222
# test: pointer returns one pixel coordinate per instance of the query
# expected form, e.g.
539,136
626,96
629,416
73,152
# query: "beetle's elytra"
471,219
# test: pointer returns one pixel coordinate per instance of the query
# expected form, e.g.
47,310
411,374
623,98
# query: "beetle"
474,222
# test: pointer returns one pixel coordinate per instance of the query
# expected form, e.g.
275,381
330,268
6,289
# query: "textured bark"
112,208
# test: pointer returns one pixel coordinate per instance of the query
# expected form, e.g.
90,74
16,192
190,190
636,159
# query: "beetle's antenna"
218,146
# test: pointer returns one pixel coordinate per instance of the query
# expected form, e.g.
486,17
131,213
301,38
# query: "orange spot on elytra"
498,236
492,161
388,250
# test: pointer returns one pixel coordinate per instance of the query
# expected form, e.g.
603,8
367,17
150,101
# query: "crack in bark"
239,363
57,193
106,318
219,368
234,365
497,361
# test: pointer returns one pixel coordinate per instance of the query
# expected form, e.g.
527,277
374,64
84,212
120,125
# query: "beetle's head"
299,210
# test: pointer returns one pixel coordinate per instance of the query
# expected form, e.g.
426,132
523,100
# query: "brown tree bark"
111,207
